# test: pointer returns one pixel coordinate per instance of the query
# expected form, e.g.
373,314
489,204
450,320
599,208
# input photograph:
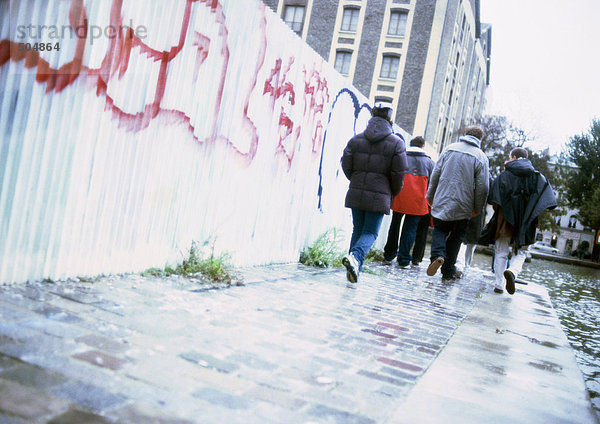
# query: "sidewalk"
293,345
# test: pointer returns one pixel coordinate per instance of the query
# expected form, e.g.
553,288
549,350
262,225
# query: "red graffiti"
203,44
316,95
116,63
285,123
277,85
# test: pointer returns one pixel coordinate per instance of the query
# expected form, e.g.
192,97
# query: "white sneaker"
351,264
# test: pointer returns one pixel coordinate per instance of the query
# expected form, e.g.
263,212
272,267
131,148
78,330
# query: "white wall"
215,123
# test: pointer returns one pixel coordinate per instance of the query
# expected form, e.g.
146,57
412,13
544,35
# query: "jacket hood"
469,139
377,129
416,151
520,167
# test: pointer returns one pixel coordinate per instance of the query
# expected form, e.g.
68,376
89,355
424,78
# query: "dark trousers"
421,239
446,240
402,249
391,245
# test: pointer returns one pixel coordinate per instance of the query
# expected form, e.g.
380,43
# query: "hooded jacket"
522,193
375,163
459,181
411,199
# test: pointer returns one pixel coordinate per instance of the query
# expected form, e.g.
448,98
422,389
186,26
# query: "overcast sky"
545,66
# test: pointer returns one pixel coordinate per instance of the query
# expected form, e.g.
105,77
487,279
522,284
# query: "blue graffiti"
357,109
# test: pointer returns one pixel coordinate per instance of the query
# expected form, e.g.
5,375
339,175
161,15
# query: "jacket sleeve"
398,169
347,166
482,181
434,179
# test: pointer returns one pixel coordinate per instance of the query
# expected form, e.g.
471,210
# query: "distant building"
571,232
429,58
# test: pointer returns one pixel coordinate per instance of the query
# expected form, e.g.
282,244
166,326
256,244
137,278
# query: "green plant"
325,251
213,268
374,255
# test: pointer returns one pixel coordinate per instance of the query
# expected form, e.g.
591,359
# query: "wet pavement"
292,345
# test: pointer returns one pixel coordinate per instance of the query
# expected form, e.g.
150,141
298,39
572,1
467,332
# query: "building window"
342,62
294,17
397,26
389,67
350,19
384,99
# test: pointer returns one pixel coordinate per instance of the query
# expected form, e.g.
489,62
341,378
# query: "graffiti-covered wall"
130,128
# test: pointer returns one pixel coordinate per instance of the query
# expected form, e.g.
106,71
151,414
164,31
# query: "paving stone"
27,402
5,419
59,329
338,416
144,413
88,395
103,343
385,378
30,375
400,364
208,361
221,398
284,399
11,313
75,416
101,359
6,363
252,361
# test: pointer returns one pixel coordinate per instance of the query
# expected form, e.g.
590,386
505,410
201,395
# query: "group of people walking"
450,194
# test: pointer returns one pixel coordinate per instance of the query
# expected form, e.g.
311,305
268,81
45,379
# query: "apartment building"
429,58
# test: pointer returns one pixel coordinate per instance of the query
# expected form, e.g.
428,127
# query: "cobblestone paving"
293,345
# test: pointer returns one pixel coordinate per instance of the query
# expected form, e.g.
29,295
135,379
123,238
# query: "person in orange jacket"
410,203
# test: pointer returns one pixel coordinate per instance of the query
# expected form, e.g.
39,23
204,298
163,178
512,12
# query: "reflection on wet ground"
575,294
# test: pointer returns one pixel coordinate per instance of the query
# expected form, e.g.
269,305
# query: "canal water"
575,295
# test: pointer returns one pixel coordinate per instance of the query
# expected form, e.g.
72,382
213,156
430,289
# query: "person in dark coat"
519,194
375,163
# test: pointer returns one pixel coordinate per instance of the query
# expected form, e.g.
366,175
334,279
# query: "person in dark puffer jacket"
375,163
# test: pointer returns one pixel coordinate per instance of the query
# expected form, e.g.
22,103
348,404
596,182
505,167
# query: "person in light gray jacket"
458,190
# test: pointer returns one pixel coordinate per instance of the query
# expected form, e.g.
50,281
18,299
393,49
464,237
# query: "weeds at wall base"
213,269
326,252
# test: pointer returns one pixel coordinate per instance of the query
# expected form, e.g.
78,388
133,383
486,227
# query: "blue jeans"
409,232
366,228
447,237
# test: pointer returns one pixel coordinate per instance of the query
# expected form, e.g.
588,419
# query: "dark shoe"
510,281
434,266
456,276
497,290
404,266
351,264
416,263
